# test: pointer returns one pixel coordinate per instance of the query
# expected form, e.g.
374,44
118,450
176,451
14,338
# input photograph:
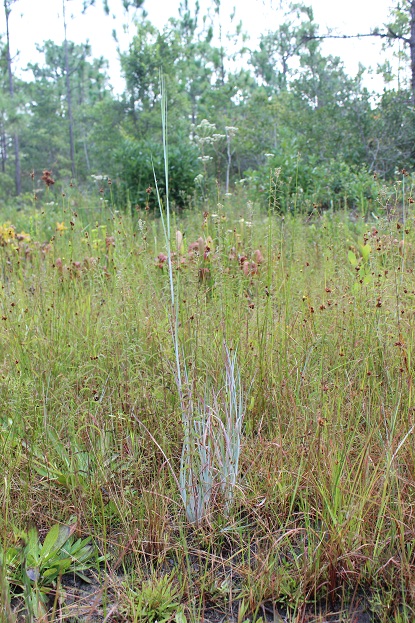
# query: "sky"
33,21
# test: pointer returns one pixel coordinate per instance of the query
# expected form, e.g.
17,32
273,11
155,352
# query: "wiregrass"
323,515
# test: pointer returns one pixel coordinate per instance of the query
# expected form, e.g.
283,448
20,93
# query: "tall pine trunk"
17,170
68,95
412,48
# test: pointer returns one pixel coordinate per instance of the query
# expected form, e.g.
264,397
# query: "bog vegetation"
206,407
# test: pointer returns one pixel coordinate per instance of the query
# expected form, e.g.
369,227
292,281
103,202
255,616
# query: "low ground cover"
319,310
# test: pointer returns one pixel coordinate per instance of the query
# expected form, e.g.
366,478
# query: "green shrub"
287,182
135,161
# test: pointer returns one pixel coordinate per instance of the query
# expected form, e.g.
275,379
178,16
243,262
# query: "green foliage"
288,183
35,567
391,134
323,128
157,600
272,62
72,467
320,308
44,139
338,184
135,161
6,186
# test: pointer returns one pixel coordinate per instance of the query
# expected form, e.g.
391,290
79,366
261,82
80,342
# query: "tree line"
283,117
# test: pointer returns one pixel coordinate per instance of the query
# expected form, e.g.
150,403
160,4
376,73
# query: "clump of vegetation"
157,599
222,396
36,569
319,311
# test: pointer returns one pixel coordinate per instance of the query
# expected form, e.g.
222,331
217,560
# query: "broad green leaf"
85,554
79,545
56,539
63,480
50,540
48,573
180,617
366,250
59,567
352,258
32,543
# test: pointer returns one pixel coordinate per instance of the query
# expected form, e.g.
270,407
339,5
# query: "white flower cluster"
206,126
205,134
141,225
230,130
99,178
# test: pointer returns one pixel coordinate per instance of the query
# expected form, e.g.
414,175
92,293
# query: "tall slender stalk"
17,168
68,92
212,426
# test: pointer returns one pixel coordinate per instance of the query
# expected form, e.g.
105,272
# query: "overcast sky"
33,21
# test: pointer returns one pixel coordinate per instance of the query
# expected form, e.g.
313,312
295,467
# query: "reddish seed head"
258,257
109,241
47,178
250,268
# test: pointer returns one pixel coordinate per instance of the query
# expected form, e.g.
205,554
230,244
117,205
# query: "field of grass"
315,311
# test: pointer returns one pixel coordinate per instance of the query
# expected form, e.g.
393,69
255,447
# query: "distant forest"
281,119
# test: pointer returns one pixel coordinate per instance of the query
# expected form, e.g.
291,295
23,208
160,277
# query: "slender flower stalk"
212,427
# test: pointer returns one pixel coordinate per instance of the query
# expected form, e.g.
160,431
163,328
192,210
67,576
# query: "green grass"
323,510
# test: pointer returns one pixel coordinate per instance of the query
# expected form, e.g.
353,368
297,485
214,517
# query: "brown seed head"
47,178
